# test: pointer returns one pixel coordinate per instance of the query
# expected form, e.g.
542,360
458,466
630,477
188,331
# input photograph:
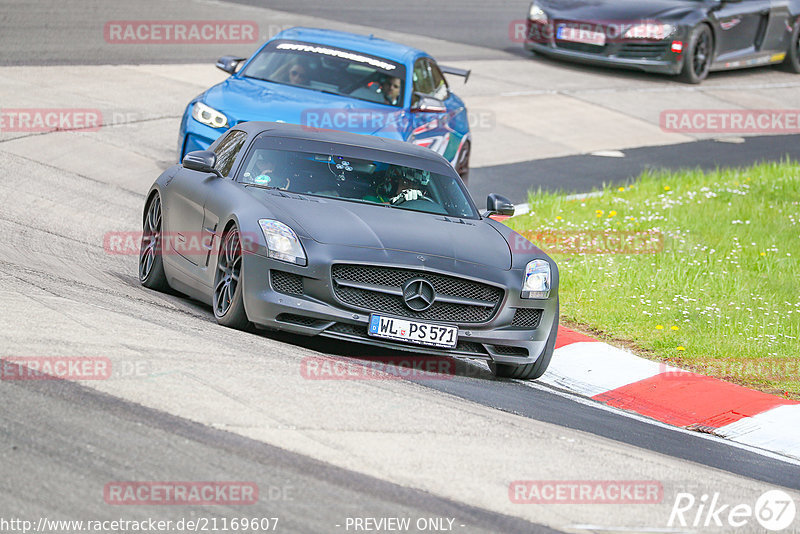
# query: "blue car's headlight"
282,242
536,284
209,116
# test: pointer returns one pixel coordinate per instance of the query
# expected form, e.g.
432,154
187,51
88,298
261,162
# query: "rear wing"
455,71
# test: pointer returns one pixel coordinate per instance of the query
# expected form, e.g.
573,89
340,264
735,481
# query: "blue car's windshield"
331,70
353,179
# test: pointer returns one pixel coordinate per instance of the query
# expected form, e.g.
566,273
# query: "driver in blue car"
390,89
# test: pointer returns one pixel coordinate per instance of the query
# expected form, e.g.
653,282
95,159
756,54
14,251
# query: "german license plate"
576,34
434,335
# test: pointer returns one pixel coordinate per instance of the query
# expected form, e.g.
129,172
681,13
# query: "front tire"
151,264
699,53
792,61
228,301
530,371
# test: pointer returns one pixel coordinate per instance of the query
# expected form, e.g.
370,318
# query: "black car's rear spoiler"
456,72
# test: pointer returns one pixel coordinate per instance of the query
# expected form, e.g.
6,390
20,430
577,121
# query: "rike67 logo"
775,510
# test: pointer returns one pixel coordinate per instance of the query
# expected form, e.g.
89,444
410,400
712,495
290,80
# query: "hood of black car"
339,222
614,11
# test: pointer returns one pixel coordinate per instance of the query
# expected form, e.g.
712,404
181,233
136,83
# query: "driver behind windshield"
390,89
263,171
294,72
397,186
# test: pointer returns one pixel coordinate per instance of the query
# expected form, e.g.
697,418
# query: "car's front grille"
351,330
527,318
283,282
643,50
380,289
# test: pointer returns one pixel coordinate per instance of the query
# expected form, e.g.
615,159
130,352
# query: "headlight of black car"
536,284
536,14
282,242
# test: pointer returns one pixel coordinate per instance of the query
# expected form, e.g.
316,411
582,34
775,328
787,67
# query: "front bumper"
316,309
647,56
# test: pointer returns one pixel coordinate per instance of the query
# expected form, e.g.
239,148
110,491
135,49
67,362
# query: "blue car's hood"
248,99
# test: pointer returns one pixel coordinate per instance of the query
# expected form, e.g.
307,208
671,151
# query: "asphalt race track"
192,401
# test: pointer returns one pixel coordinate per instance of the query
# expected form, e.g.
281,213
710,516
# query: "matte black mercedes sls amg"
685,37
352,237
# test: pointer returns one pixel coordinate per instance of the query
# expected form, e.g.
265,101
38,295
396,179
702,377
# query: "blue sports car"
323,79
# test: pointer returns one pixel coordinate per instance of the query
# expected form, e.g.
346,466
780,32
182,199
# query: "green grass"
721,298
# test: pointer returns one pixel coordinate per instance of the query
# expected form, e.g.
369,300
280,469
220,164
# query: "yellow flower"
599,213
558,218
621,189
612,213
667,188
763,253
659,327
680,348
630,187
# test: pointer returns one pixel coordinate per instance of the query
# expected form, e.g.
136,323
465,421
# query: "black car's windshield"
360,180
331,70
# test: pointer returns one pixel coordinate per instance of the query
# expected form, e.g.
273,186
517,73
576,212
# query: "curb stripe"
620,379
689,399
568,337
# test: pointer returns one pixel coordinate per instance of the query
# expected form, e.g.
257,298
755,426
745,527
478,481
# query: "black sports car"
352,237
685,37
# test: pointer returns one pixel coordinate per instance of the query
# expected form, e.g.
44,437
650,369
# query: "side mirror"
427,104
201,161
498,205
229,63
